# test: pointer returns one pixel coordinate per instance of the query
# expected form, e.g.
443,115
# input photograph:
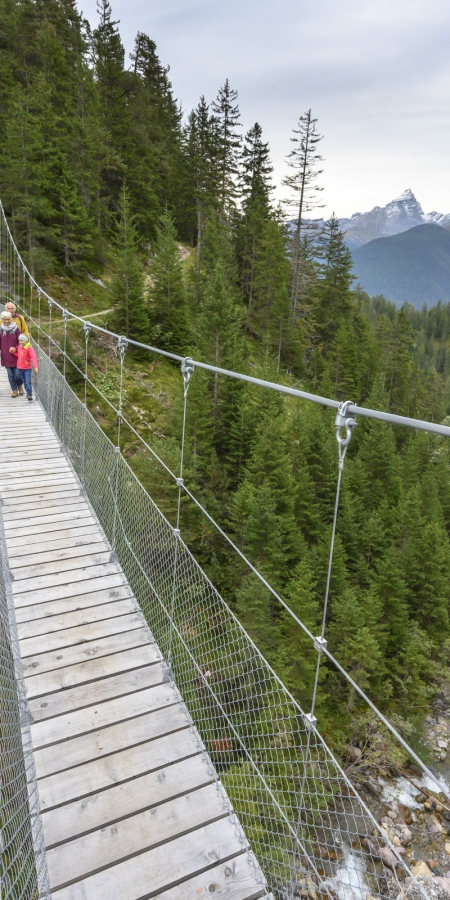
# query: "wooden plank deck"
131,806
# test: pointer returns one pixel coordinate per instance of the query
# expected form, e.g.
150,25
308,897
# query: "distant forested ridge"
413,266
100,172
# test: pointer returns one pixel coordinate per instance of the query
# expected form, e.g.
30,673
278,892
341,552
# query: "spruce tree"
200,183
304,160
255,189
109,62
127,287
167,293
152,151
227,113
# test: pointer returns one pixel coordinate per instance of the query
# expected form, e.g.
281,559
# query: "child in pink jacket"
26,360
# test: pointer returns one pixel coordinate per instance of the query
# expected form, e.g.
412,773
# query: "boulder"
354,754
389,858
435,826
443,883
421,870
406,813
406,836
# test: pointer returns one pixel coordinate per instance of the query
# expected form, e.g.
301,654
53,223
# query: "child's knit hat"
24,338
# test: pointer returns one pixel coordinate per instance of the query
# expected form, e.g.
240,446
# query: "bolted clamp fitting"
320,644
187,370
122,345
180,482
87,328
310,721
65,315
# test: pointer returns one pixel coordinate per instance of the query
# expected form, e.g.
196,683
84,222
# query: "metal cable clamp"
187,371
344,420
122,345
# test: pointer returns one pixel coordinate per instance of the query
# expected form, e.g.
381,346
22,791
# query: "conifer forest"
172,215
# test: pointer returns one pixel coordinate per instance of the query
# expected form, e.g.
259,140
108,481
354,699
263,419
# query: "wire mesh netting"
306,824
22,867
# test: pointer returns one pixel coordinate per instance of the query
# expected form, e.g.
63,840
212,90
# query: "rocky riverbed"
414,811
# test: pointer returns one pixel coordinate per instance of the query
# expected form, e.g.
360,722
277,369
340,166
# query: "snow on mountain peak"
401,214
407,195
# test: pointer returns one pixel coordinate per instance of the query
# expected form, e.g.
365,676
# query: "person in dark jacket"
17,318
9,339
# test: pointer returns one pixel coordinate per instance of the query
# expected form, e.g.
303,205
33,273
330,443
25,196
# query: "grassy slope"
152,385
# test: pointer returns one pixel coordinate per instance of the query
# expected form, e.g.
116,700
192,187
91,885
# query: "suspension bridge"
147,747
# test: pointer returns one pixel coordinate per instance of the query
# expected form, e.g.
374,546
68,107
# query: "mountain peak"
399,215
407,195
406,204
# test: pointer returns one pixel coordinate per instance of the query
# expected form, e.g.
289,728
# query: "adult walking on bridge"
17,318
9,339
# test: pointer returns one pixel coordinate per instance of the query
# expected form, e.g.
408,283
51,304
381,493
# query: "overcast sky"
376,74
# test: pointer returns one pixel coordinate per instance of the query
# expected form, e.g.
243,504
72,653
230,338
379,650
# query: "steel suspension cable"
187,370
122,347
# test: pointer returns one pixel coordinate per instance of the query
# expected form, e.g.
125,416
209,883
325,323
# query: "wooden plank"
101,744
44,582
32,482
41,503
30,467
35,429
22,503
80,634
233,880
94,692
74,617
19,444
33,526
97,810
34,441
40,509
159,868
81,721
74,589
39,452
42,480
25,441
48,456
91,778
65,537
38,490
74,551
17,447
85,855
57,607
69,676
72,564
78,653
